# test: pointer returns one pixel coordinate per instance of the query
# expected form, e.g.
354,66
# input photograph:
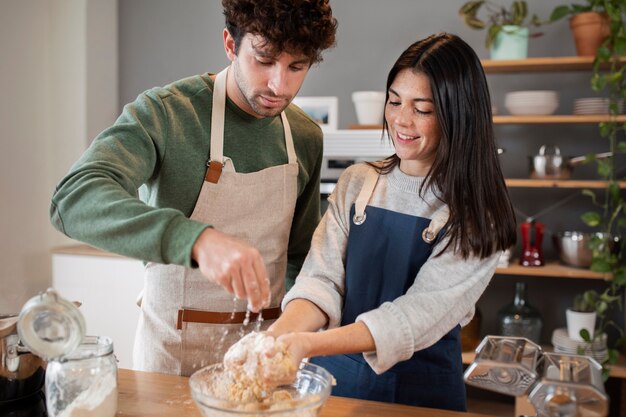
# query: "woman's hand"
295,347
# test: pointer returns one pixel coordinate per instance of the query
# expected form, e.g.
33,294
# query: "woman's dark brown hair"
302,26
466,172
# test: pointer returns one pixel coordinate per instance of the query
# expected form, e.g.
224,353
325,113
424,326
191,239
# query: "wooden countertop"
145,394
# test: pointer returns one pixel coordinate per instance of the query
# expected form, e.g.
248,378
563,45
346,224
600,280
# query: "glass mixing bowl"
310,390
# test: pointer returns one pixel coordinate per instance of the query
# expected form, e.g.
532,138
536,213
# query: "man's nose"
278,81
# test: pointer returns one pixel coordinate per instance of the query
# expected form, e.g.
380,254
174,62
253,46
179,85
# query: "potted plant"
581,318
589,23
609,216
507,29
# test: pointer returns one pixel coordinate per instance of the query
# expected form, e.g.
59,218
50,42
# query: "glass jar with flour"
81,375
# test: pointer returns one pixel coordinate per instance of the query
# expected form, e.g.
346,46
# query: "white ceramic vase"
576,321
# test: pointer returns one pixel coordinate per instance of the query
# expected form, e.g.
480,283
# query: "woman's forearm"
300,315
353,338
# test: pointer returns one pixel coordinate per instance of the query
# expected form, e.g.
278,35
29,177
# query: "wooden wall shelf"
556,119
550,269
535,120
532,183
540,64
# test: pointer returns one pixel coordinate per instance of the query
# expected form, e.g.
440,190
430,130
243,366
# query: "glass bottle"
519,318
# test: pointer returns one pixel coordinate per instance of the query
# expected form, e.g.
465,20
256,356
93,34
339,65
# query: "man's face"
260,83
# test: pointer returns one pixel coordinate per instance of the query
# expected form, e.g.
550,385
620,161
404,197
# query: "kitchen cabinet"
107,285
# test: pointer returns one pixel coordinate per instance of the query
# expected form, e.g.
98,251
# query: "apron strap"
364,196
216,157
439,220
291,152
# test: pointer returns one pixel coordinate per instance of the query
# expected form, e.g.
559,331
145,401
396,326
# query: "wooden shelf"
557,119
534,119
540,64
533,183
551,269
616,371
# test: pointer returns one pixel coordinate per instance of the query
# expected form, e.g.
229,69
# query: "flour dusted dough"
255,375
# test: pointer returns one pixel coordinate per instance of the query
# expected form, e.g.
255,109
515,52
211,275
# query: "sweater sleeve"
431,307
97,200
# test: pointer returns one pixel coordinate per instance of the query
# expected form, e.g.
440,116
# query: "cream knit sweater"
445,289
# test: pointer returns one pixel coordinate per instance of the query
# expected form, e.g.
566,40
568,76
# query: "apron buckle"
428,236
214,172
359,220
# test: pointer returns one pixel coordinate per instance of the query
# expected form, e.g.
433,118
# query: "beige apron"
255,207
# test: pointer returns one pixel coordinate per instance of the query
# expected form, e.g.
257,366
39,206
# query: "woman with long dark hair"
410,243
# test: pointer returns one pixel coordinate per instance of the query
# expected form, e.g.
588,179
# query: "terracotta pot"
590,29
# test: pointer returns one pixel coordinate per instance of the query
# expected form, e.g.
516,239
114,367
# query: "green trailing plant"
599,6
609,214
498,17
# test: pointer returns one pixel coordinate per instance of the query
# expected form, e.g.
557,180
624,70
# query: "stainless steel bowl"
573,247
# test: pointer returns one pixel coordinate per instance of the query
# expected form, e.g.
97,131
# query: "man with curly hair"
213,181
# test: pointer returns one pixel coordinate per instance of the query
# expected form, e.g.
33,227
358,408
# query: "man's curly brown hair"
295,26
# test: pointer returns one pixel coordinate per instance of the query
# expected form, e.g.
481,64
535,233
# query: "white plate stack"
539,102
595,105
563,344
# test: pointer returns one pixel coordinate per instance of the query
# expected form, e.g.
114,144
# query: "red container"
532,236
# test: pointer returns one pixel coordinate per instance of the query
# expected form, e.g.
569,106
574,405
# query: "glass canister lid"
50,326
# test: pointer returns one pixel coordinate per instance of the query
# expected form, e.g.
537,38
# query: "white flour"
99,400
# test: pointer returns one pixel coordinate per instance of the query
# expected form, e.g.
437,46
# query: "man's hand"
235,265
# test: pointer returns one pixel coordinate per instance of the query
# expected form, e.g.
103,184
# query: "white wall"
59,79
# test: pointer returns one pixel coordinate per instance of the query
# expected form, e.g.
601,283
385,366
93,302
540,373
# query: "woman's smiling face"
412,122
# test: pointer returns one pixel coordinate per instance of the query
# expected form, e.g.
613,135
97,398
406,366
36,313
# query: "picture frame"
323,110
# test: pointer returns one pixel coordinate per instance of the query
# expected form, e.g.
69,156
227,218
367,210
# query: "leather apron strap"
216,158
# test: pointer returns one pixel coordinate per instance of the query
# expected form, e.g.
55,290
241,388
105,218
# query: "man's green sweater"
158,150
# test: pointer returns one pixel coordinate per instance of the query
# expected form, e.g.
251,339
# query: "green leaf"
471,7
559,13
603,53
615,191
605,129
600,265
619,276
519,11
604,168
584,333
613,356
492,34
619,46
474,22
592,218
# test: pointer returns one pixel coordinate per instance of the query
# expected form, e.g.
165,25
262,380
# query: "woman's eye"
418,111
394,103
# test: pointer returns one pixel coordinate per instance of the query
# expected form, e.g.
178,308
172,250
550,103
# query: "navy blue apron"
383,257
